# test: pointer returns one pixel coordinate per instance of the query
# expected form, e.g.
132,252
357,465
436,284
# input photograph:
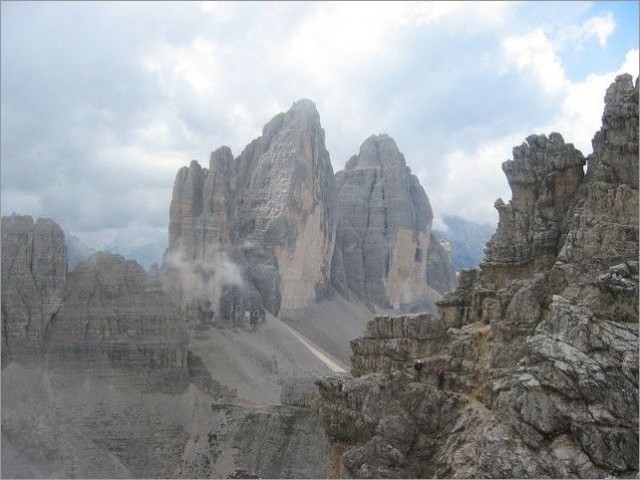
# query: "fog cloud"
205,279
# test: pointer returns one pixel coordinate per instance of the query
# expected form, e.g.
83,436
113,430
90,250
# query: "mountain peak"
304,104
377,151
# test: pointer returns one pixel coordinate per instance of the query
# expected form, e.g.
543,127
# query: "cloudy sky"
103,102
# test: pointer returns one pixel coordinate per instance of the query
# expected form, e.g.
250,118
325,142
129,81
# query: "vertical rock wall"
34,269
543,175
105,318
383,236
257,231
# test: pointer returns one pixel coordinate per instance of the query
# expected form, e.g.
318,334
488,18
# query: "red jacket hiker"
440,376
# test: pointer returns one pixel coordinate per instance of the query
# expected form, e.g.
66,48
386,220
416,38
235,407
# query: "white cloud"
535,52
194,66
598,28
334,37
474,180
580,112
474,176
178,81
476,14
221,11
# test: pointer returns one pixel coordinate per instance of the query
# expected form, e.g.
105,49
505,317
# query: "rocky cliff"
384,245
59,425
531,367
255,232
114,317
34,269
544,176
98,380
104,318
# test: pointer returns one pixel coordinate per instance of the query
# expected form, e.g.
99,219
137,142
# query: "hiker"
440,376
417,367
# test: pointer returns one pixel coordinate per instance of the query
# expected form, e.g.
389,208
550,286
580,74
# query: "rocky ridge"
531,367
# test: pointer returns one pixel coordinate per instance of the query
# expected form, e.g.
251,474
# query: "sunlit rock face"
383,239
258,232
258,229
531,367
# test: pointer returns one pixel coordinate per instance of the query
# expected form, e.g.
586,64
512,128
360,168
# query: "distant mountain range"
468,240
146,245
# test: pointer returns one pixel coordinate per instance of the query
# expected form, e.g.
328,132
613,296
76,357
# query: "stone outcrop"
34,269
531,367
383,235
104,386
255,232
298,391
275,442
543,175
603,228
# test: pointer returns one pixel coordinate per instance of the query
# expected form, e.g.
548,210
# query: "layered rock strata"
104,317
384,245
114,317
531,367
255,232
105,386
85,428
543,175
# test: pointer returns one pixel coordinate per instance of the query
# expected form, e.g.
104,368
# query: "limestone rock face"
614,150
57,425
255,231
113,316
104,316
441,274
34,269
531,367
383,233
603,229
286,180
105,386
543,175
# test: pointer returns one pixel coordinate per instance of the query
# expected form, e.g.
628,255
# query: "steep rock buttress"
384,246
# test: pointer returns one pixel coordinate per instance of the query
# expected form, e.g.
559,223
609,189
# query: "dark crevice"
363,245
30,259
5,333
52,319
